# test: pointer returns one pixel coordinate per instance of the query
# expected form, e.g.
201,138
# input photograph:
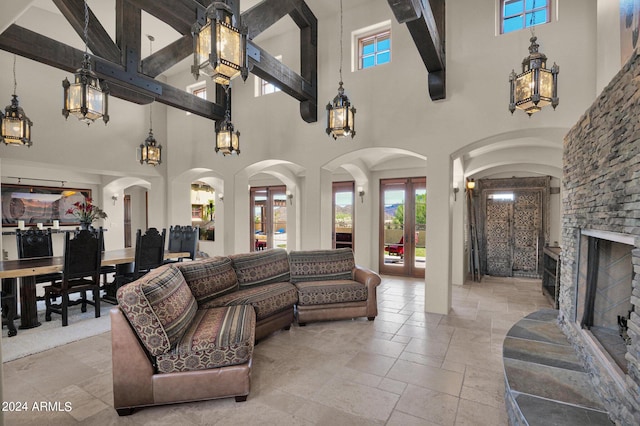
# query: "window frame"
523,14
367,33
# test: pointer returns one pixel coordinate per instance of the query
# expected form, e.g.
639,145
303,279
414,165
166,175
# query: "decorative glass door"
343,214
403,205
268,217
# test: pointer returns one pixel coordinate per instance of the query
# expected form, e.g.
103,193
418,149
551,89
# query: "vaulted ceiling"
132,74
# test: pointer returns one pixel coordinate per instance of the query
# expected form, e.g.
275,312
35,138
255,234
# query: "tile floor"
407,367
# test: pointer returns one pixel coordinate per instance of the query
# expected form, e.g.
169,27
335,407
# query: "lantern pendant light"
16,126
219,47
227,140
340,113
150,151
87,98
537,86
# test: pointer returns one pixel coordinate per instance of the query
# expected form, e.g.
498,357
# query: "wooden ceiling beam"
37,47
178,14
426,26
100,43
168,56
265,14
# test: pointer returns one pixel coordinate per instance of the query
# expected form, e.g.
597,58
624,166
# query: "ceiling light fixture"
227,140
150,151
16,126
219,47
340,113
88,97
536,87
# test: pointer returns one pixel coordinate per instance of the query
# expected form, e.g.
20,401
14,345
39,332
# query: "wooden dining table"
28,269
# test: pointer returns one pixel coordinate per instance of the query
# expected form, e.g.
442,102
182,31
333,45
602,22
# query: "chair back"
184,239
82,256
34,243
149,251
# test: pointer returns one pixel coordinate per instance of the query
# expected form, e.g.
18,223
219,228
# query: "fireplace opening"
604,293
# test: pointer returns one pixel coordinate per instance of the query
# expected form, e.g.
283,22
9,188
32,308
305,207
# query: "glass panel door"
403,213
343,214
268,217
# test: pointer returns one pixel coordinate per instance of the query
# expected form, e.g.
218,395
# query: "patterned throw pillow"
159,306
321,265
209,278
261,267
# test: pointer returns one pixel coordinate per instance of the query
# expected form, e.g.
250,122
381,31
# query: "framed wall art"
39,204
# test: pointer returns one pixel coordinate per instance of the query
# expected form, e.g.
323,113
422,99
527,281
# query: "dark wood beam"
168,56
308,24
128,32
99,43
265,14
178,14
37,47
426,26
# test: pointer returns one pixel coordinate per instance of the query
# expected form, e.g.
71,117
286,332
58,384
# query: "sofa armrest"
371,279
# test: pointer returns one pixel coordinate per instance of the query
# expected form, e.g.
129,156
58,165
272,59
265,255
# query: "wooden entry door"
513,233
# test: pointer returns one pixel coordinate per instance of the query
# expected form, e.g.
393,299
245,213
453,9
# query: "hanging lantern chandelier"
16,126
87,98
340,113
150,151
219,47
227,140
537,86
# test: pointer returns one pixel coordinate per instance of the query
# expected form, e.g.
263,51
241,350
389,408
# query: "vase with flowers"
86,212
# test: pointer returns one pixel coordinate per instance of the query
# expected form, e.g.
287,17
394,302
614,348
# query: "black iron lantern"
219,47
16,126
537,86
87,98
150,151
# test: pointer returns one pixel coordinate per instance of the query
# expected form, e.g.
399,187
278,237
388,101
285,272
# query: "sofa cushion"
265,299
209,278
261,267
321,265
333,291
159,306
217,337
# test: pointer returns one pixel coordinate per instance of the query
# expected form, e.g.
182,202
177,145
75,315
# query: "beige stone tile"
431,347
371,363
393,386
383,347
483,386
449,382
422,359
321,415
474,414
399,418
436,407
357,400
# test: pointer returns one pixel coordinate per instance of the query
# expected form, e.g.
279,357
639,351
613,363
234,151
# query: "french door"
268,222
403,204
343,215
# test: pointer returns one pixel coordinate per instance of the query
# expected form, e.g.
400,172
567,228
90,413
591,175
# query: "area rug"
52,334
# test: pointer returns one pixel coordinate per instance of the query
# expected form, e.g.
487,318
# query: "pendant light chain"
341,30
151,40
15,82
86,29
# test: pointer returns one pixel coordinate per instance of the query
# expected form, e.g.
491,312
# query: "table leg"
28,307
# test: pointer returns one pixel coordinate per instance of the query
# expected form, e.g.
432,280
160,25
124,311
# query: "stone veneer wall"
601,185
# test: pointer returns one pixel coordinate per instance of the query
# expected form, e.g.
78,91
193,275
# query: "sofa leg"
124,411
302,324
288,327
241,398
371,318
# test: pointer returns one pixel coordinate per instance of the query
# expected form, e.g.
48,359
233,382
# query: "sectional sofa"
186,331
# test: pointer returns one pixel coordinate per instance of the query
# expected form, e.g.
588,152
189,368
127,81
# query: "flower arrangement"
86,212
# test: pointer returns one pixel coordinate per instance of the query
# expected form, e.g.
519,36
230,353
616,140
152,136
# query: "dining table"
27,270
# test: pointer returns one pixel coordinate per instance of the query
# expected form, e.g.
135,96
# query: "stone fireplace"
600,282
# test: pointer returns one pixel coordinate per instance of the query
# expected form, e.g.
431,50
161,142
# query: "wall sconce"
114,198
290,196
361,194
471,184
456,189
221,196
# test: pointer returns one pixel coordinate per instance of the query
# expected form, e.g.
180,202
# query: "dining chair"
183,239
149,255
81,273
9,304
35,242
